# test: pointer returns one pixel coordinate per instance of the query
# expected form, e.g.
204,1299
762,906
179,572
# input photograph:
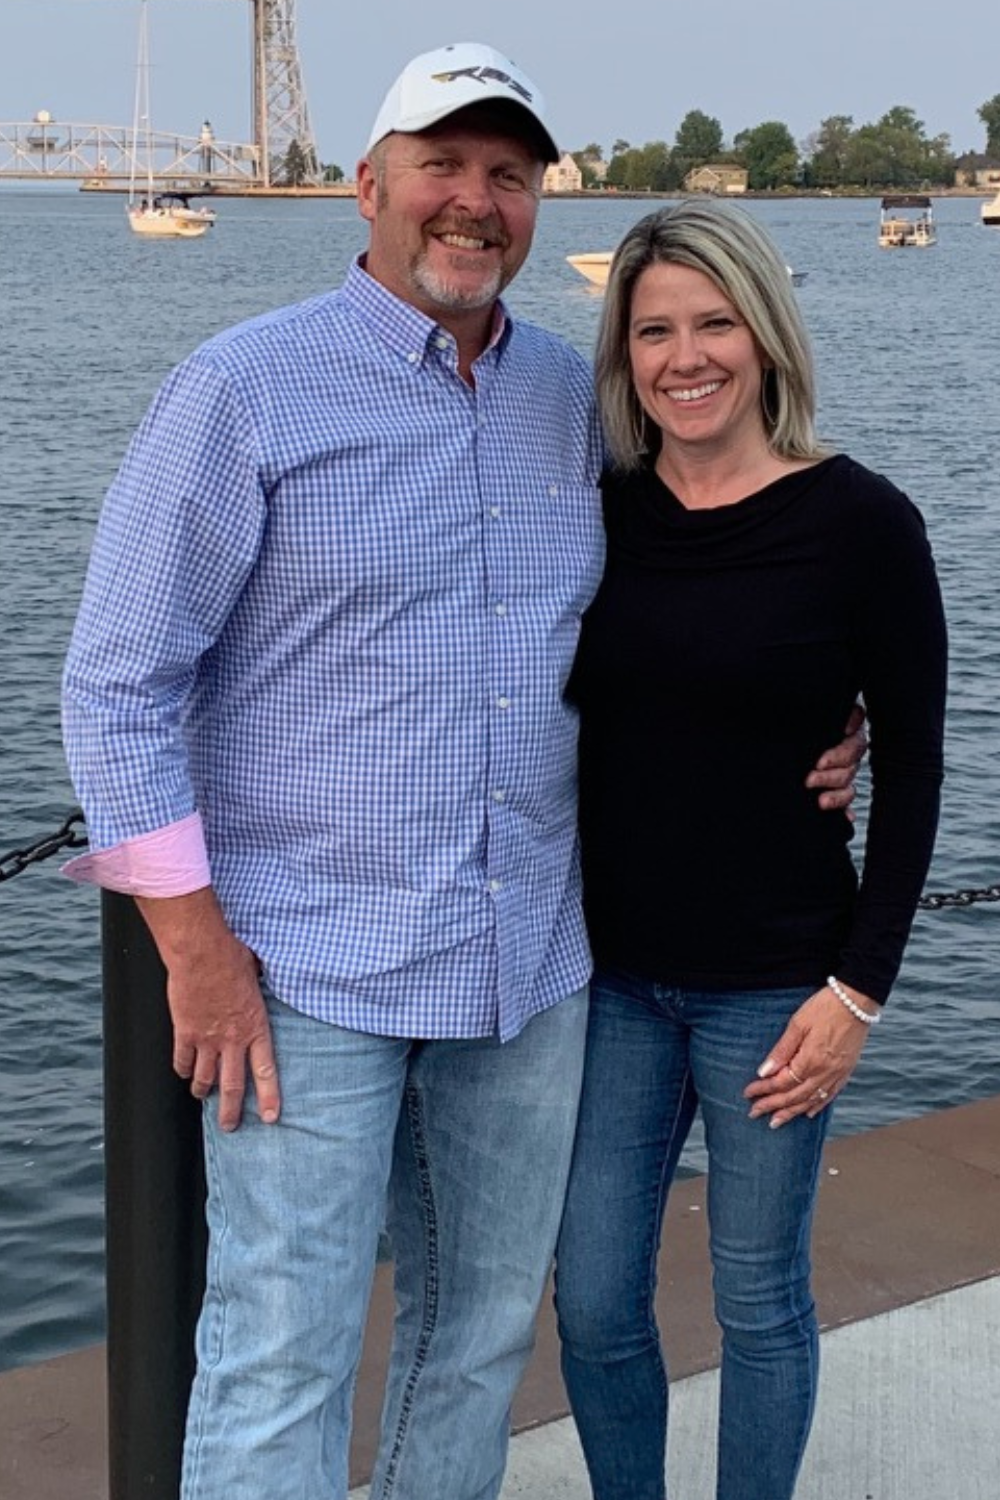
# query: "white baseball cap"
436,84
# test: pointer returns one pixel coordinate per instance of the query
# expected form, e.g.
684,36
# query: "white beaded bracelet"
870,1018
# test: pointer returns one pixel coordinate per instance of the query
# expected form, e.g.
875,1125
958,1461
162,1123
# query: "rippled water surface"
92,318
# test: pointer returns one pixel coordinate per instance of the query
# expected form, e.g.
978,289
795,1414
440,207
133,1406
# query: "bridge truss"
283,152
110,156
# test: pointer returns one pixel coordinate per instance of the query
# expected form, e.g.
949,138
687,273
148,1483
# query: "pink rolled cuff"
170,861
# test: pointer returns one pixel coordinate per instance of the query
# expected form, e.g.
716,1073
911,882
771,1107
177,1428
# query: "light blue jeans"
470,1142
655,1055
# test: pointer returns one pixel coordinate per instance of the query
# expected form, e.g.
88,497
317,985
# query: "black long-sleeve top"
720,657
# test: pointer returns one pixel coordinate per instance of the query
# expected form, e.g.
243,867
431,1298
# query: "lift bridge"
281,155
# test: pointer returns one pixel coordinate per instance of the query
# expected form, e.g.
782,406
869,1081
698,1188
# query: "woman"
755,582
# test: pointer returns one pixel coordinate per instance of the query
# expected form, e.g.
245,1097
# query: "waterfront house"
562,176
717,177
977,171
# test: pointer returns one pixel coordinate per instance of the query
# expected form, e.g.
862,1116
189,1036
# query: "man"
315,714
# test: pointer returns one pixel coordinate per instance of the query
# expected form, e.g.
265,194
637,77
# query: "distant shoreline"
588,195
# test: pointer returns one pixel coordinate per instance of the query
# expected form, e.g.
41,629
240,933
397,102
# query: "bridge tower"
282,131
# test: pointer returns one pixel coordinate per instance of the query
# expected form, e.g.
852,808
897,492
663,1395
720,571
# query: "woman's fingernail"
767,1067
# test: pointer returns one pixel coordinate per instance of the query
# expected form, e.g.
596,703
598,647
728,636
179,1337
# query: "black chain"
959,898
67,838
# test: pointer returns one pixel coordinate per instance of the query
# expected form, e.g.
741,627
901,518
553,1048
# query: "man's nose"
475,190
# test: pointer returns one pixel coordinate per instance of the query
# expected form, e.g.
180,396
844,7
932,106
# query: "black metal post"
155,1194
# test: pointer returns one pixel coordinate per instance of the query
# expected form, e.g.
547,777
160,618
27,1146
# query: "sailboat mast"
141,122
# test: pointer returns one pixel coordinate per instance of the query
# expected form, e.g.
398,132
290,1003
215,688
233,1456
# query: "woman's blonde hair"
732,250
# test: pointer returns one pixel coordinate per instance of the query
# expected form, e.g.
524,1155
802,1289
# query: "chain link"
959,898
67,838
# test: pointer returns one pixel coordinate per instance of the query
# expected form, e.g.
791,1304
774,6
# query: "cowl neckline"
648,526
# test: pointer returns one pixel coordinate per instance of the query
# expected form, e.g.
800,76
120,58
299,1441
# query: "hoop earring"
769,403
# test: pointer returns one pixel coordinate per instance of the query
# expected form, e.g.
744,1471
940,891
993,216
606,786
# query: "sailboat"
168,214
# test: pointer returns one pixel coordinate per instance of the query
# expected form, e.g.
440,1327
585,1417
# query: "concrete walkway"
907,1279
909,1409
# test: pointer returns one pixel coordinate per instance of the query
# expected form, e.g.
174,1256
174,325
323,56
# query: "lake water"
92,318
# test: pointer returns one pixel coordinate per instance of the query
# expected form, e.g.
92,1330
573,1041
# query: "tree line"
894,152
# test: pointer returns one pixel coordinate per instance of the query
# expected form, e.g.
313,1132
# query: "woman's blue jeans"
654,1056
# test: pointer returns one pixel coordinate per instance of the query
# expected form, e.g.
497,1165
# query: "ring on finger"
823,1094
794,1074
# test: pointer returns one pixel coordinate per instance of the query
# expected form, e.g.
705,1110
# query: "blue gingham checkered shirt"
332,606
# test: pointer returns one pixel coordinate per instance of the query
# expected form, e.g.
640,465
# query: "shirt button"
413,357
503,703
553,490
441,342
500,609
495,886
494,511
499,795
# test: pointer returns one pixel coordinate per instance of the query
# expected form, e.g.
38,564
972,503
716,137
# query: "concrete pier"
907,1278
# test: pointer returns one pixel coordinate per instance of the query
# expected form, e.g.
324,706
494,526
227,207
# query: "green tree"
698,141
909,159
826,152
588,160
902,137
769,154
620,147
989,113
866,164
641,169
654,166
298,166
333,173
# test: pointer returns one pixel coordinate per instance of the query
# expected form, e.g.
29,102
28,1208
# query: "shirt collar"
401,325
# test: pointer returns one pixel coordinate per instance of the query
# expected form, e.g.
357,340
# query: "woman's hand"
812,1060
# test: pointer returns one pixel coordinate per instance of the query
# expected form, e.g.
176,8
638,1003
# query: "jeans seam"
414,1116
215,1331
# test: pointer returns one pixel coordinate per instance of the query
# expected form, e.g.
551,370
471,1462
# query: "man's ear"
367,189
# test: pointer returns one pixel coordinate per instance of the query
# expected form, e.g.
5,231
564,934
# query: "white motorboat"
991,211
596,264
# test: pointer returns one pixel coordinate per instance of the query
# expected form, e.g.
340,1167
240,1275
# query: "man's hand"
836,769
218,1012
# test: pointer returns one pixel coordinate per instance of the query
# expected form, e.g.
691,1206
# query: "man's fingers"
834,800
232,1087
265,1079
184,1058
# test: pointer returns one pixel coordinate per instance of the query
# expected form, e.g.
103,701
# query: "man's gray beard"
444,294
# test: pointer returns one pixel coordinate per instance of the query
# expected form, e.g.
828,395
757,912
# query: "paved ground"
909,1409
907,1279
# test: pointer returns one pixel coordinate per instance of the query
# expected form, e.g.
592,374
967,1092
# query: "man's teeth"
463,242
695,392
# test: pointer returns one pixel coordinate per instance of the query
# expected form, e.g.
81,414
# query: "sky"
630,70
